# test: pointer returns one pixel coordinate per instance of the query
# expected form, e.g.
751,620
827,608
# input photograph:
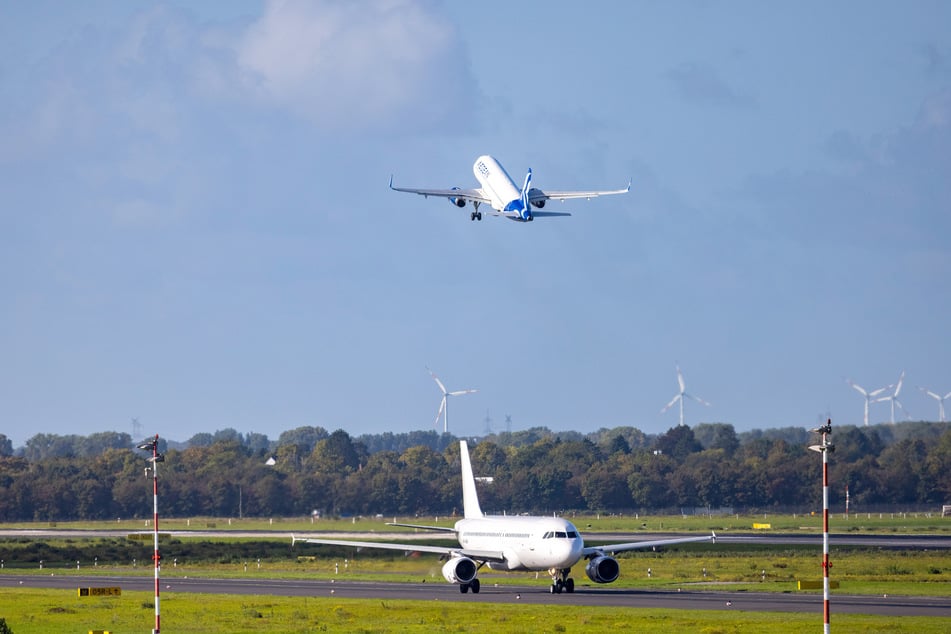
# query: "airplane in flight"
499,191
513,543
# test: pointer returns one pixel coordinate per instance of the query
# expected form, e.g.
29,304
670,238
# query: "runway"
686,598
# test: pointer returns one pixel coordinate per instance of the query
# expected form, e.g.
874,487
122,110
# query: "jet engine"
463,570
458,202
537,203
603,569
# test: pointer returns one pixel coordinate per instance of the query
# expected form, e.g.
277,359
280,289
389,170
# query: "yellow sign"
757,526
100,592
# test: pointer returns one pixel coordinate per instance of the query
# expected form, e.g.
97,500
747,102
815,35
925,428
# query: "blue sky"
196,229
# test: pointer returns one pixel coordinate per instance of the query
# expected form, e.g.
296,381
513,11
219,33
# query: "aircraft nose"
576,547
571,552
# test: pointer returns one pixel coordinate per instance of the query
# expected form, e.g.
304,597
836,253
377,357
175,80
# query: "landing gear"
473,585
561,581
475,215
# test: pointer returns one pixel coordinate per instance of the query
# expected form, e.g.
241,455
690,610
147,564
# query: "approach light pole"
152,472
825,447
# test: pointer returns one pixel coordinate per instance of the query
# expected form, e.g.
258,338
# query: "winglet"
627,190
713,536
391,182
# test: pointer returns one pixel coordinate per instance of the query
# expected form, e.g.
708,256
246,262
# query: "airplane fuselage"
528,543
496,182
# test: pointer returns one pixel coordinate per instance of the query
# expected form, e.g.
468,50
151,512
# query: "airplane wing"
478,555
443,529
537,195
619,548
471,195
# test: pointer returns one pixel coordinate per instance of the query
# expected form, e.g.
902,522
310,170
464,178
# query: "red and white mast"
825,447
156,558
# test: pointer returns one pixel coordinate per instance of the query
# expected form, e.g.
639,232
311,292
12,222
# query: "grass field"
897,522
44,611
698,566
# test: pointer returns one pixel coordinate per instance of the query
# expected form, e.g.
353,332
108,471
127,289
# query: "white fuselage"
528,543
496,184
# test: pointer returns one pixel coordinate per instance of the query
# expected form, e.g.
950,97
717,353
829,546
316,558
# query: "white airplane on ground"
500,192
514,543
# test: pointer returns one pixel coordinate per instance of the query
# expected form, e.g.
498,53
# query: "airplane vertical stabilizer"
470,498
526,188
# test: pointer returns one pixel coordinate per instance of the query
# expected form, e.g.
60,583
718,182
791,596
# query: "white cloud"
147,119
366,65
382,66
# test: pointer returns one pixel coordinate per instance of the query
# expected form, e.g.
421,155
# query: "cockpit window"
560,535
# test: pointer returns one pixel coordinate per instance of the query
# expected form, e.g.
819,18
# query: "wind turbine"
681,395
894,398
444,404
940,400
869,396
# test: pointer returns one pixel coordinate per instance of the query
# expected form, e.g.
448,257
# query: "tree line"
310,470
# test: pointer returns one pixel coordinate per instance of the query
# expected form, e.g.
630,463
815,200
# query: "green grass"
914,522
35,611
728,566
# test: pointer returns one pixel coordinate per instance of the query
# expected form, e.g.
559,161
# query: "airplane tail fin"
470,498
526,188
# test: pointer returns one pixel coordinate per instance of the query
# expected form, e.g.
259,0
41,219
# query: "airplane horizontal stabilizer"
544,214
